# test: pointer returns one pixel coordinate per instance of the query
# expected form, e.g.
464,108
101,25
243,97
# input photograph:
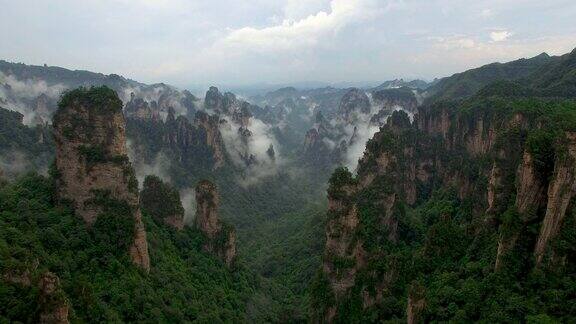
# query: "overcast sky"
240,42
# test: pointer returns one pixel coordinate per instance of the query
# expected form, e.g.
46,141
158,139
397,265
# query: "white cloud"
486,13
197,42
500,35
297,34
453,42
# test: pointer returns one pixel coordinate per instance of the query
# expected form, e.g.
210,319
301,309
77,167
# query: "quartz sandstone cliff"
91,160
405,162
220,237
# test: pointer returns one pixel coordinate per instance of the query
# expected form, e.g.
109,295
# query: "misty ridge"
261,143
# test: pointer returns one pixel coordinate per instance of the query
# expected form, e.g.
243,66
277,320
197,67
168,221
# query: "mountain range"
406,202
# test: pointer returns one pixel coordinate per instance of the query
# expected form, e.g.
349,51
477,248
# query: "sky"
191,43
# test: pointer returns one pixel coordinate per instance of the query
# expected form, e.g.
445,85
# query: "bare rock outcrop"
354,102
92,163
561,190
220,237
138,108
210,125
53,304
416,304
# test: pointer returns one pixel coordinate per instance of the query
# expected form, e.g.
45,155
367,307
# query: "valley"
406,202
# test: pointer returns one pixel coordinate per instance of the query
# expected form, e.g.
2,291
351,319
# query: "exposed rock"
214,139
531,190
140,109
220,103
92,162
270,152
343,255
561,190
242,116
43,107
416,304
389,99
354,102
53,305
220,237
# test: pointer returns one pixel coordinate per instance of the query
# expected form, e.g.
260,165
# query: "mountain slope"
466,214
466,84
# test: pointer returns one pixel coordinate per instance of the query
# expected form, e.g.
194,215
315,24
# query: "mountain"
400,83
339,138
465,214
37,142
388,204
557,78
34,90
80,245
466,84
92,169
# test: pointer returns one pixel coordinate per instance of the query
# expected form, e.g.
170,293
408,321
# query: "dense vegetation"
97,277
160,200
445,252
103,97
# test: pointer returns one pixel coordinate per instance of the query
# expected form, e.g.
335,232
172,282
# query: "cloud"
500,36
21,96
159,166
486,13
453,42
257,145
188,199
230,42
297,34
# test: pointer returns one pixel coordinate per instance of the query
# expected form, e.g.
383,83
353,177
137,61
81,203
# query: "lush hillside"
460,209
466,215
468,83
97,281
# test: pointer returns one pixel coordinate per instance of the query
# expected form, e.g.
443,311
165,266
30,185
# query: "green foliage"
114,228
104,98
160,200
184,283
541,144
93,154
286,252
454,263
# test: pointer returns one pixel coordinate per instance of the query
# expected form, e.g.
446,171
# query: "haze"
241,43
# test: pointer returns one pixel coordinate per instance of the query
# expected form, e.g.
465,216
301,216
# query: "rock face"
561,191
214,139
220,237
162,201
53,304
340,247
503,162
415,306
140,109
220,103
388,99
92,162
354,102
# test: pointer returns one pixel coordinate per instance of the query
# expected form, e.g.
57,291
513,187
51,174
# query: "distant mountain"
468,83
399,83
34,90
557,77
